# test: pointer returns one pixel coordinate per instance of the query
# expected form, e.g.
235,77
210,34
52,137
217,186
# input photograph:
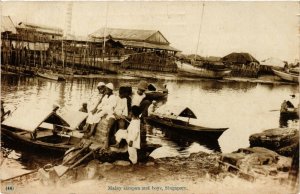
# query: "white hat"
110,86
101,84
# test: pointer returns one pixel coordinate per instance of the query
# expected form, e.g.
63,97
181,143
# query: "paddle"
61,170
274,110
72,157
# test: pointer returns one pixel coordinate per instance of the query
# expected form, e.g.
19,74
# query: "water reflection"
184,140
29,158
243,107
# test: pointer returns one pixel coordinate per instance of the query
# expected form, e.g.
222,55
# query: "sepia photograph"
150,97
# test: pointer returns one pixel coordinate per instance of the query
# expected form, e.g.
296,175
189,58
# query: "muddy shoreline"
256,167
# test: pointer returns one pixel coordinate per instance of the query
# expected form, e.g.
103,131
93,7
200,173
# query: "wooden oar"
61,170
80,151
274,110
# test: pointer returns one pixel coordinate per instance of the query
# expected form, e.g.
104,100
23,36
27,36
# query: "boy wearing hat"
107,109
90,119
140,94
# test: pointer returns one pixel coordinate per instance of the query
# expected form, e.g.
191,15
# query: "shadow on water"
184,140
216,85
286,117
29,157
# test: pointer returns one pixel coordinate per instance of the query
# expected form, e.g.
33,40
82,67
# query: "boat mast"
104,34
62,54
68,30
202,13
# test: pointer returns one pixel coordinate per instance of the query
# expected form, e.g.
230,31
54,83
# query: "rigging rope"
199,32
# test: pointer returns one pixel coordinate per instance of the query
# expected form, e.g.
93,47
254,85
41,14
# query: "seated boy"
132,135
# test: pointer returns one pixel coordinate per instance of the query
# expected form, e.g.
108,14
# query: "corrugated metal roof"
41,28
148,45
125,34
7,25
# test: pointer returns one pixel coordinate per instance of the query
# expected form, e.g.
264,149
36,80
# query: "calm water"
243,107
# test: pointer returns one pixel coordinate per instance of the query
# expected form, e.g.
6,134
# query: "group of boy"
116,110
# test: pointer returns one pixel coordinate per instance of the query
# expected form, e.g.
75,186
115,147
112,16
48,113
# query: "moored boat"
185,69
172,118
40,130
51,76
155,92
292,77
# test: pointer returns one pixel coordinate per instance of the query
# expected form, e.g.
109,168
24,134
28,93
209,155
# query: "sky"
264,29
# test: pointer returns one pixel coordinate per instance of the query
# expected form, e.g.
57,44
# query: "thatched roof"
239,58
7,25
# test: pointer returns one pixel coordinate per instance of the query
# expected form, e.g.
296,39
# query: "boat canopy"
29,119
74,118
155,87
175,111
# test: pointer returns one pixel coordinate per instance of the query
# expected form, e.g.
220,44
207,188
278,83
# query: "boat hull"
34,145
156,95
188,130
286,76
191,71
51,77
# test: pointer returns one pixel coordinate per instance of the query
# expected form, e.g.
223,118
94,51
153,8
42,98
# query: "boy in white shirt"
152,108
132,135
90,119
139,95
121,110
107,107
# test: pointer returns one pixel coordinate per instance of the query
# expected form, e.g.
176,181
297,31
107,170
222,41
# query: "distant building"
39,33
26,44
147,49
242,64
7,29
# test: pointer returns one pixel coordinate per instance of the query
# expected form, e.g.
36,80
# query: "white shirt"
108,105
121,108
94,101
137,99
133,131
151,109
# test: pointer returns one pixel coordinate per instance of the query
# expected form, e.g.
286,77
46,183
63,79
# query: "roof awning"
148,45
29,119
175,111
